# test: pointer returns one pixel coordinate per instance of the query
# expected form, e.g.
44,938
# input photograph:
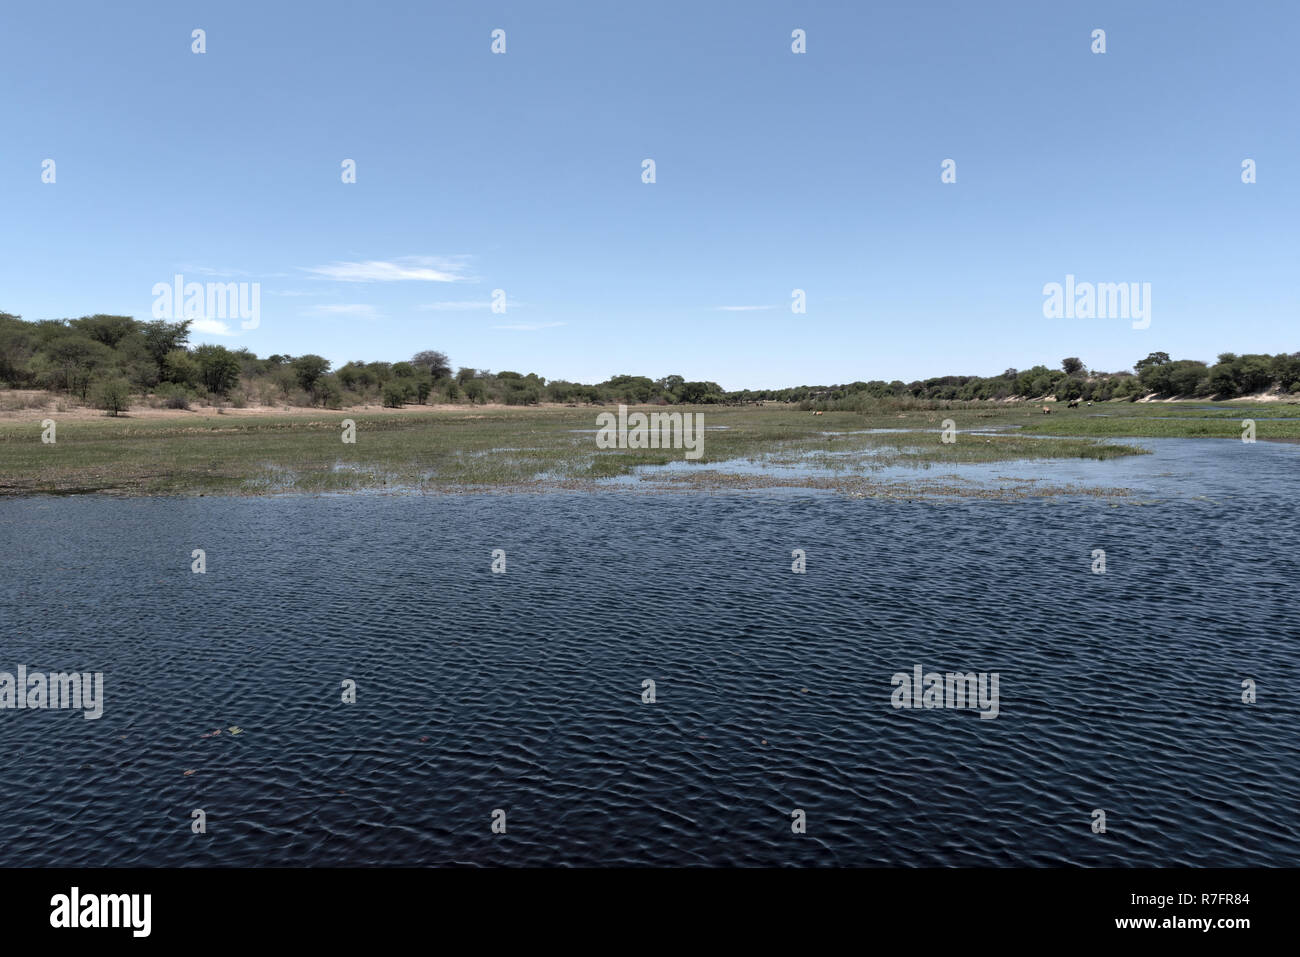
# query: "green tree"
1154,359
219,368
17,345
72,360
434,362
1069,389
671,385
329,391
694,393
179,366
1180,377
162,337
113,396
309,368
110,330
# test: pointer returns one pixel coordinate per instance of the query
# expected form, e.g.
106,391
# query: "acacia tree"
308,369
437,363
73,359
110,330
161,337
218,368
1154,359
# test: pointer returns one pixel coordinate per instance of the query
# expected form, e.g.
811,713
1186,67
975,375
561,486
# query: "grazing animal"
1074,404
819,413
1046,411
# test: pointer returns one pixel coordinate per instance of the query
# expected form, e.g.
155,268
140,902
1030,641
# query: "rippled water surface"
522,691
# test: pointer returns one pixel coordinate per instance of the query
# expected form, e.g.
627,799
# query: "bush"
173,395
394,396
113,396
529,396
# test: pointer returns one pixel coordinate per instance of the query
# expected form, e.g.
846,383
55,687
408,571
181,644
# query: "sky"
774,171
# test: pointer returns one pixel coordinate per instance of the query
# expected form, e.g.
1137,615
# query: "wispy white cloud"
408,268
213,327
530,326
361,310
742,308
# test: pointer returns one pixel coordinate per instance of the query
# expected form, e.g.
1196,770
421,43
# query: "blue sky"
775,171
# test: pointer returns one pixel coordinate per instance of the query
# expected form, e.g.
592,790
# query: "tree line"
115,360
1232,376
110,360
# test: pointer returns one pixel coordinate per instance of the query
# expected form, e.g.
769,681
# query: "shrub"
173,395
529,396
113,396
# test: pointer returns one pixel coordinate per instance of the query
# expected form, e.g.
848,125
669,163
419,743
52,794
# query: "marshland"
243,452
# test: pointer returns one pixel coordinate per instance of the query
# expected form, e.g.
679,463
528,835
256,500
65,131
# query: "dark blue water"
522,691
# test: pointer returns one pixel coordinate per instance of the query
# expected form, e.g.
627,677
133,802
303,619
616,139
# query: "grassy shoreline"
477,448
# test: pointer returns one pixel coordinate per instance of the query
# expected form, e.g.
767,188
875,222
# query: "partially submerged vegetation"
498,447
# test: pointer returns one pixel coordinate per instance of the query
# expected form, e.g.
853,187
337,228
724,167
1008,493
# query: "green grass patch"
256,455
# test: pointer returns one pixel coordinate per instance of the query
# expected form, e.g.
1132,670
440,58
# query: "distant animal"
819,413
1046,411
1090,402
1074,404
